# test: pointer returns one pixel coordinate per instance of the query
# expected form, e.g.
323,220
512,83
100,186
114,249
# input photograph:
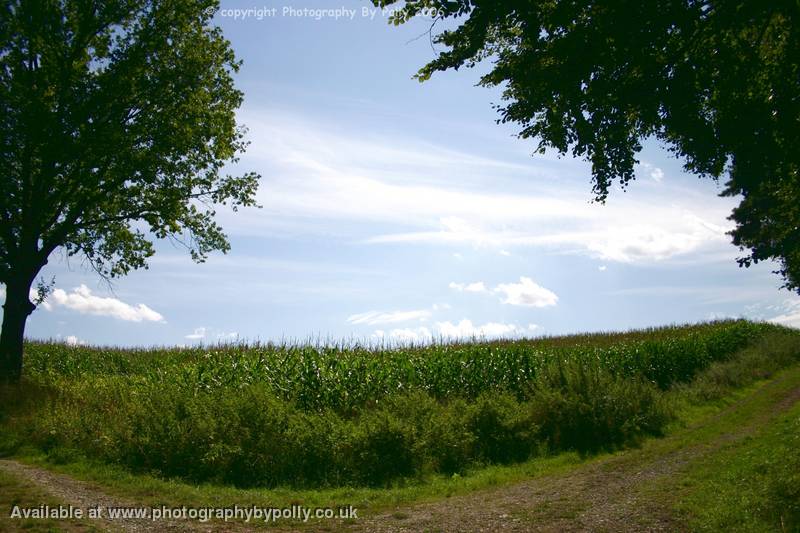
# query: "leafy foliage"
312,416
116,120
346,378
114,112
716,80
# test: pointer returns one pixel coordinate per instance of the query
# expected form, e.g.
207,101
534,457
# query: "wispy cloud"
463,329
466,329
652,171
72,340
197,334
414,193
605,237
82,300
525,293
203,333
790,315
477,286
372,318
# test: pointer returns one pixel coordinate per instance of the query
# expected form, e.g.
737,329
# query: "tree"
718,81
116,119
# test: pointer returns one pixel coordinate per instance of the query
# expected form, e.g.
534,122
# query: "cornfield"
333,415
344,378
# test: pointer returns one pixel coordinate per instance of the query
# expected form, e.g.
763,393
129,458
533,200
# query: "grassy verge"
314,417
699,407
753,485
22,493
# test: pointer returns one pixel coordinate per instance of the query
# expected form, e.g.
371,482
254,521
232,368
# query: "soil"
635,490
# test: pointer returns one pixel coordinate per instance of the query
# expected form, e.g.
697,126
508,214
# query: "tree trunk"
15,313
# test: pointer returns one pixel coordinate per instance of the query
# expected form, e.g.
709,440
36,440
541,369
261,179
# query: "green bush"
308,416
504,429
347,378
379,448
760,360
446,444
586,408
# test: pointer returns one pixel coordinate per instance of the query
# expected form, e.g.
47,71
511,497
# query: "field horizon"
337,425
314,340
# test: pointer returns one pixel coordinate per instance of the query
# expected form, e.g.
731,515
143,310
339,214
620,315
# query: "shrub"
503,428
379,448
587,408
760,360
312,416
447,445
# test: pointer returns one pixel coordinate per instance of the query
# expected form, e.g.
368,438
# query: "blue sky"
400,211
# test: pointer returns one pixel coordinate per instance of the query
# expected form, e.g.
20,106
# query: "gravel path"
613,494
625,492
83,495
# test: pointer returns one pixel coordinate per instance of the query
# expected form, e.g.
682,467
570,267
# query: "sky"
399,211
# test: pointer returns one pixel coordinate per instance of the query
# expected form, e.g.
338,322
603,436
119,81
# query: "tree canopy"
718,81
116,121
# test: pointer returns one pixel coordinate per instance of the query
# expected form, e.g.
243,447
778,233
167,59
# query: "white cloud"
657,174
72,340
654,172
641,243
197,334
405,335
463,329
410,335
477,286
378,317
602,268
412,192
32,295
505,253
203,333
82,300
526,293
610,237
790,315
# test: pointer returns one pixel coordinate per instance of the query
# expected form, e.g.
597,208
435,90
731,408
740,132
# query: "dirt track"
625,492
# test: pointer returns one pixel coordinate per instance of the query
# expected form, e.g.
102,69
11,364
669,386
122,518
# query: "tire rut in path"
608,495
602,496
83,495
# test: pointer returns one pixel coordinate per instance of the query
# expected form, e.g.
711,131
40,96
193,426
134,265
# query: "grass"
49,425
347,378
315,417
753,485
707,476
18,492
150,490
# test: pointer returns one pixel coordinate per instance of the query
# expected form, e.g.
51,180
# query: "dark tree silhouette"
116,118
718,81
